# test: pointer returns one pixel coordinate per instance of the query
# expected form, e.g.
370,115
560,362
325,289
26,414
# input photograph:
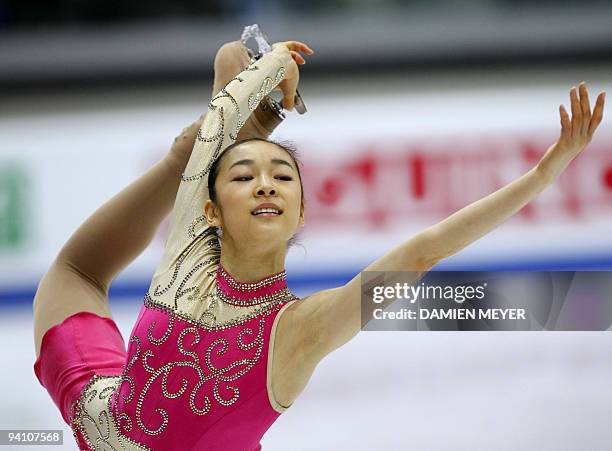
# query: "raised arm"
228,111
335,313
118,231
226,114
231,59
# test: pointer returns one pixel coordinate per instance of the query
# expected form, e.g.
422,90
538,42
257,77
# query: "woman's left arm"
335,314
477,219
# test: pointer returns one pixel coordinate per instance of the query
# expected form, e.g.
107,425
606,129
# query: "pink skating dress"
197,372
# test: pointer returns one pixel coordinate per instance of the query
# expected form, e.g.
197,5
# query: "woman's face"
251,175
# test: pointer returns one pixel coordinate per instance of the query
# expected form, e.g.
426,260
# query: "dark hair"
287,146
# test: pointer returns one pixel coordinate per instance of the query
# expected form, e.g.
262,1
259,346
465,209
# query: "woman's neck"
249,266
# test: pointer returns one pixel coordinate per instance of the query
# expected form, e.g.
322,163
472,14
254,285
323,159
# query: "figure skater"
221,346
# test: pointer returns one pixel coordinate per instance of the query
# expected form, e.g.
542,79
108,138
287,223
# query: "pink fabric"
73,351
183,386
203,362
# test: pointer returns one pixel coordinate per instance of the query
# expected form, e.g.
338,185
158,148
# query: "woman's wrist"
261,122
283,54
231,59
552,164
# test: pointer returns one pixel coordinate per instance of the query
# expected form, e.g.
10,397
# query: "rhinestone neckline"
250,293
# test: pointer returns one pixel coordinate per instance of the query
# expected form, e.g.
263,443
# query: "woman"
75,337
221,347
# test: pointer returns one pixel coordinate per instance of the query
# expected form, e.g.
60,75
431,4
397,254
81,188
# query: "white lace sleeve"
191,244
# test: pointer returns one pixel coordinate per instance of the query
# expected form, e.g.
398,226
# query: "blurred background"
415,109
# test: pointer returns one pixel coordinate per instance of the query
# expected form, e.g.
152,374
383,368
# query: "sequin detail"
93,418
265,89
270,289
251,286
205,370
197,296
240,122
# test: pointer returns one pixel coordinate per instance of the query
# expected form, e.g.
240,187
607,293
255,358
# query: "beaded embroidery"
101,422
220,307
94,421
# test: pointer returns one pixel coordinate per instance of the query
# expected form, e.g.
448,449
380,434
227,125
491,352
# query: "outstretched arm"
335,314
479,218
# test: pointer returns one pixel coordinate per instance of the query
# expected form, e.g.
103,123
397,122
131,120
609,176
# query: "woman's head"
247,175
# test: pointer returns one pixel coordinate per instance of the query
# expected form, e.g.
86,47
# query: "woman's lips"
266,215
267,210
267,206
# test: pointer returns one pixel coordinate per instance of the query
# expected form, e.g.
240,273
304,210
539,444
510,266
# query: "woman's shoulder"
298,325
305,309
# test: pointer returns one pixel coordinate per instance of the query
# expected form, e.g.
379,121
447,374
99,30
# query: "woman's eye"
248,177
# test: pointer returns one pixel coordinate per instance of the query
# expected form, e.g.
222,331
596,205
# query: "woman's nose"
266,191
266,188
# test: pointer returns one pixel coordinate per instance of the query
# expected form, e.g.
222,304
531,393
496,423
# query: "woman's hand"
292,75
578,132
575,133
231,59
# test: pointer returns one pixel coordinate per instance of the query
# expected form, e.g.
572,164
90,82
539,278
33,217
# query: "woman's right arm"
227,113
231,59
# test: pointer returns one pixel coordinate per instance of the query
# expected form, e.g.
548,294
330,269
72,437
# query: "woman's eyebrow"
248,162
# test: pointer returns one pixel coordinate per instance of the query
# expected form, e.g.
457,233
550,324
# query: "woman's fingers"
585,109
566,127
289,85
297,57
576,113
298,46
294,47
288,99
584,122
597,114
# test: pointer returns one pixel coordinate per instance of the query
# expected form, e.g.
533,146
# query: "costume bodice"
198,365
186,386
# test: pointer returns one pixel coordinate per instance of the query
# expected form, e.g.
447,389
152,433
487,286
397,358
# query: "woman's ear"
212,215
302,220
